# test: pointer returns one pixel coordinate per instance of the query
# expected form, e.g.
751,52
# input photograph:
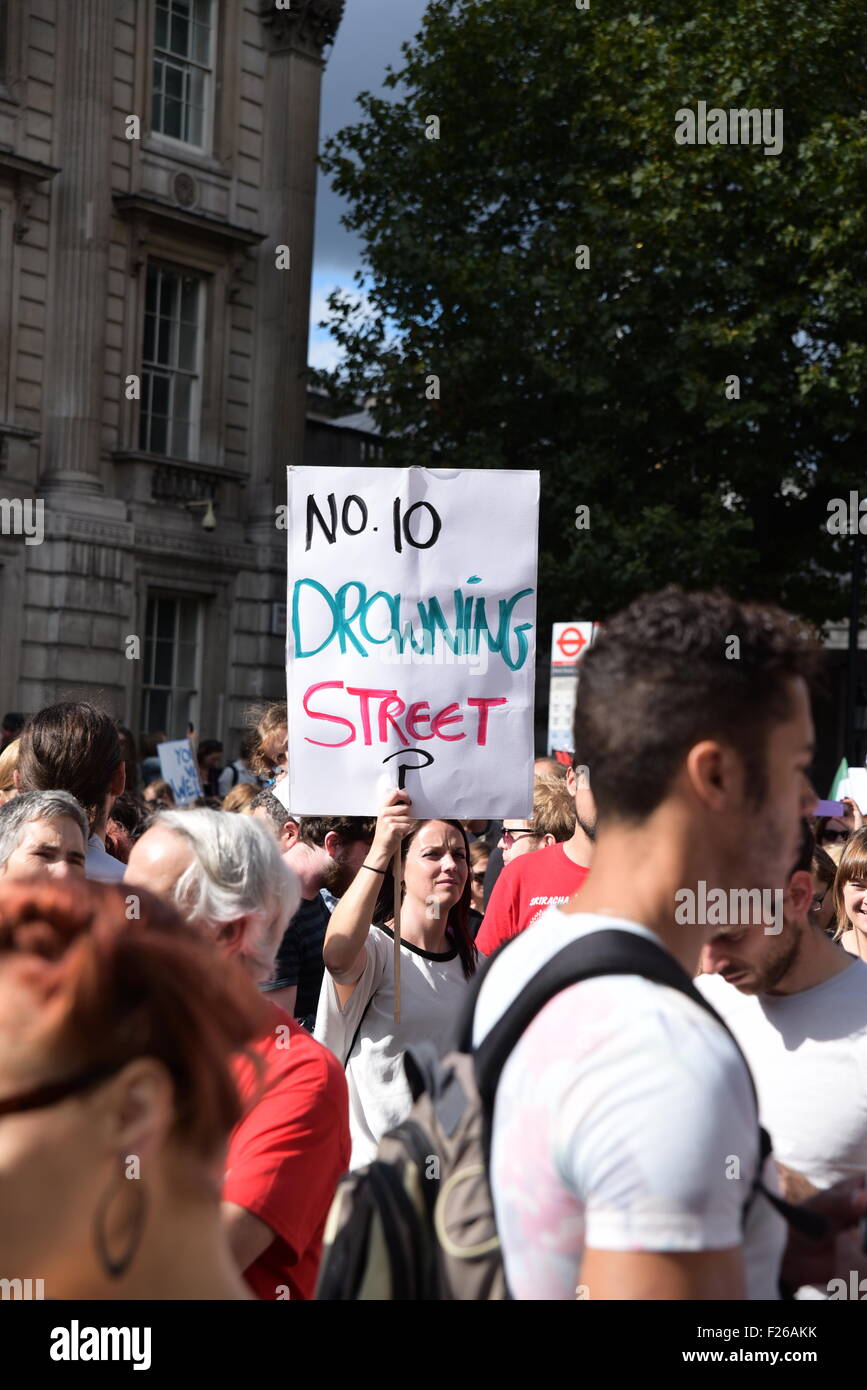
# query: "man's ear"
16,778
547,841
571,781
715,775
288,835
799,893
332,844
118,780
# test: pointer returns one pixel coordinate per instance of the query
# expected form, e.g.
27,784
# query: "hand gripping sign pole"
396,865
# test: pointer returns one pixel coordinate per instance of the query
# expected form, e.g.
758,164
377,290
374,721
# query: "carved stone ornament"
186,190
306,25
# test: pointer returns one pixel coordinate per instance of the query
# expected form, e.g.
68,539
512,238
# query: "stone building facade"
157,189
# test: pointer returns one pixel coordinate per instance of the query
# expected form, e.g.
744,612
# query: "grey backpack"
418,1222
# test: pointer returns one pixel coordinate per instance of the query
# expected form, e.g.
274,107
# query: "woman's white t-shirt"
432,990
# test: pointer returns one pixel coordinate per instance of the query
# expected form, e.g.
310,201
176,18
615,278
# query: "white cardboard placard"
411,624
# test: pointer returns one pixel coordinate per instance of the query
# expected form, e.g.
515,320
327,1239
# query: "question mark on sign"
404,768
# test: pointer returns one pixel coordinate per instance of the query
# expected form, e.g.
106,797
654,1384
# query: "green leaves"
557,130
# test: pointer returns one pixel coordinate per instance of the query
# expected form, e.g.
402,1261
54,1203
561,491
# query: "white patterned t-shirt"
617,1119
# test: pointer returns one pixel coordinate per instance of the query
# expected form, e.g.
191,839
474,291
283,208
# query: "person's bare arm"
343,950
249,1237
793,1185
639,1275
815,1261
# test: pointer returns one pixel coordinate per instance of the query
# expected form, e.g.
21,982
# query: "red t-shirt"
288,1152
524,889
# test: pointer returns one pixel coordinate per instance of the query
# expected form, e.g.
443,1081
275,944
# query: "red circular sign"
571,641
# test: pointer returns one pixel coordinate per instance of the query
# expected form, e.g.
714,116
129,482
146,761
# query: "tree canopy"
556,130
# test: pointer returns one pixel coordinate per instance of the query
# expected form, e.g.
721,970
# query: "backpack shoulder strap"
608,952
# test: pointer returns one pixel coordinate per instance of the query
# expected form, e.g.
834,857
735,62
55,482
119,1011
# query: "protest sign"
411,639
178,766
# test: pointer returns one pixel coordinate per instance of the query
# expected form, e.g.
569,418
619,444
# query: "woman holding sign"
437,957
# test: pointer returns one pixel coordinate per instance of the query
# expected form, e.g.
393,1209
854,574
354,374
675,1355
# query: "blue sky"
368,41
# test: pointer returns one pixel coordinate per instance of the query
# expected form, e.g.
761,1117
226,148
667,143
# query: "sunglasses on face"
816,904
835,837
510,836
479,878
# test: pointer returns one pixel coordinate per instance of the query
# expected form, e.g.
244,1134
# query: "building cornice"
165,542
183,548
307,26
145,212
69,526
210,474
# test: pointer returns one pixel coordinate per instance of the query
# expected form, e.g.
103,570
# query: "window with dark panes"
169,418
171,665
183,67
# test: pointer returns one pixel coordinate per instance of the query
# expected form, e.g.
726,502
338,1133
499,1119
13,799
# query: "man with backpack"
625,1144
596,1133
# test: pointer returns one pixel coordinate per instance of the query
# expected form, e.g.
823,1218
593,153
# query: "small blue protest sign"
178,766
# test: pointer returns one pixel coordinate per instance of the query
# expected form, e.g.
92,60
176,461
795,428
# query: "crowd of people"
198,1025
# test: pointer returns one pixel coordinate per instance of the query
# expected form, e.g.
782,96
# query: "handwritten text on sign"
411,627
178,766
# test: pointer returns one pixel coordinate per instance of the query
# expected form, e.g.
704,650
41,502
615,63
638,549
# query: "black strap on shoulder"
608,952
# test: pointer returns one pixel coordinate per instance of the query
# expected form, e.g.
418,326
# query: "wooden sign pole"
396,869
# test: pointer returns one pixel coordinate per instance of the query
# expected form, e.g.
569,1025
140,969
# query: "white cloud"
323,351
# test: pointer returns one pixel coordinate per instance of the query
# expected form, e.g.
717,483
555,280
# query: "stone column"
296,39
81,212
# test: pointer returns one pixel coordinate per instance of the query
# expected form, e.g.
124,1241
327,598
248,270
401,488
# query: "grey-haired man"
43,835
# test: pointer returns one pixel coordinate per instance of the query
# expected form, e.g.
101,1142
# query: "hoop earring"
115,1266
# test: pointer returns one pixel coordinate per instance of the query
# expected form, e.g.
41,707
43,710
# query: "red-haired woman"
116,1096
438,958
